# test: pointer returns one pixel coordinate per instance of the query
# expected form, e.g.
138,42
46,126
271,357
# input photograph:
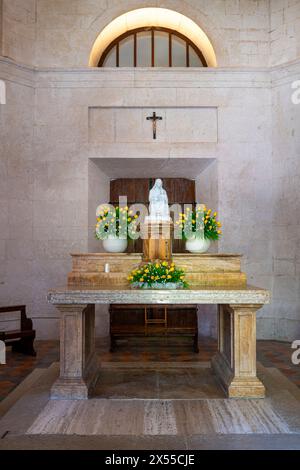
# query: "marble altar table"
234,363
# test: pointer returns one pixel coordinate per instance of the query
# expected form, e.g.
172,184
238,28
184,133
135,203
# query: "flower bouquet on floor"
158,275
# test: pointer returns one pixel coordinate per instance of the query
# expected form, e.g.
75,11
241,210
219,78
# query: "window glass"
161,49
178,52
110,59
194,58
126,52
143,53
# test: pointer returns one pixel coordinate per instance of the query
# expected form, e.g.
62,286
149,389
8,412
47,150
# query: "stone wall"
16,186
238,29
61,150
47,154
19,30
207,190
44,187
98,192
285,49
284,31
286,204
1,26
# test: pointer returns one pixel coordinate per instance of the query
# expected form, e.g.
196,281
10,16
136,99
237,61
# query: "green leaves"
116,222
199,223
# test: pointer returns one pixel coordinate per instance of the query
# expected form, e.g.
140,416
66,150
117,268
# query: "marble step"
20,390
31,401
161,417
276,381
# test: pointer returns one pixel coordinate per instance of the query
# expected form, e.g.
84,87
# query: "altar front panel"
205,270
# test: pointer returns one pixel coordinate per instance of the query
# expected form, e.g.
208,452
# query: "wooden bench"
20,339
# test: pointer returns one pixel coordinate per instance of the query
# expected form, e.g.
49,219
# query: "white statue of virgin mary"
158,208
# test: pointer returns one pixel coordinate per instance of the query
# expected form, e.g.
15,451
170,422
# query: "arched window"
152,47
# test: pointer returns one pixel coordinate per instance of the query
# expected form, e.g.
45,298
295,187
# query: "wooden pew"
22,338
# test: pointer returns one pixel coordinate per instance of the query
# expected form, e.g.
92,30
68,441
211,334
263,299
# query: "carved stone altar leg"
78,363
235,362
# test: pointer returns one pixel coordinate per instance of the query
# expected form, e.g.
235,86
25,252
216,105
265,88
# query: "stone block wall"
43,187
284,31
48,149
60,151
66,30
1,26
237,29
16,187
19,30
286,204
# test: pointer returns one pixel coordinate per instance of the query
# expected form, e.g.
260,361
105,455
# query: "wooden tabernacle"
157,241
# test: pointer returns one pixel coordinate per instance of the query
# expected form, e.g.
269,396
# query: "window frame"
152,29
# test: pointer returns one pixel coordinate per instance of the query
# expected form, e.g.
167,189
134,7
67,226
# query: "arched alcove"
153,17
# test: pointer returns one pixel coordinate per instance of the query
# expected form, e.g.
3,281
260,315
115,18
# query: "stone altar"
234,364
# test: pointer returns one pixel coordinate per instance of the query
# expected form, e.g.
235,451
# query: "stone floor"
270,354
153,394
169,443
29,420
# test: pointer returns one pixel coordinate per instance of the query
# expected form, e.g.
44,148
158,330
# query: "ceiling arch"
160,17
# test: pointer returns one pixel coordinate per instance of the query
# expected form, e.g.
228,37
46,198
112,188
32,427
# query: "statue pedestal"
157,240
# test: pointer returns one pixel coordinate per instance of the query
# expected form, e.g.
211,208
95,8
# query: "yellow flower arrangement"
158,275
189,223
116,221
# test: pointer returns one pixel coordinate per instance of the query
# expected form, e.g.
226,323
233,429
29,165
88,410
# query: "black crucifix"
154,118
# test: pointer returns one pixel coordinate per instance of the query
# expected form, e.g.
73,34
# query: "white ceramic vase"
197,245
115,245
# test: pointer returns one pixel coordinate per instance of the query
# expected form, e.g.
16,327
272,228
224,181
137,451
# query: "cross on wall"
154,118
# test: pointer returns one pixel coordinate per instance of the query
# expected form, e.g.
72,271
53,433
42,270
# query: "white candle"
106,268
